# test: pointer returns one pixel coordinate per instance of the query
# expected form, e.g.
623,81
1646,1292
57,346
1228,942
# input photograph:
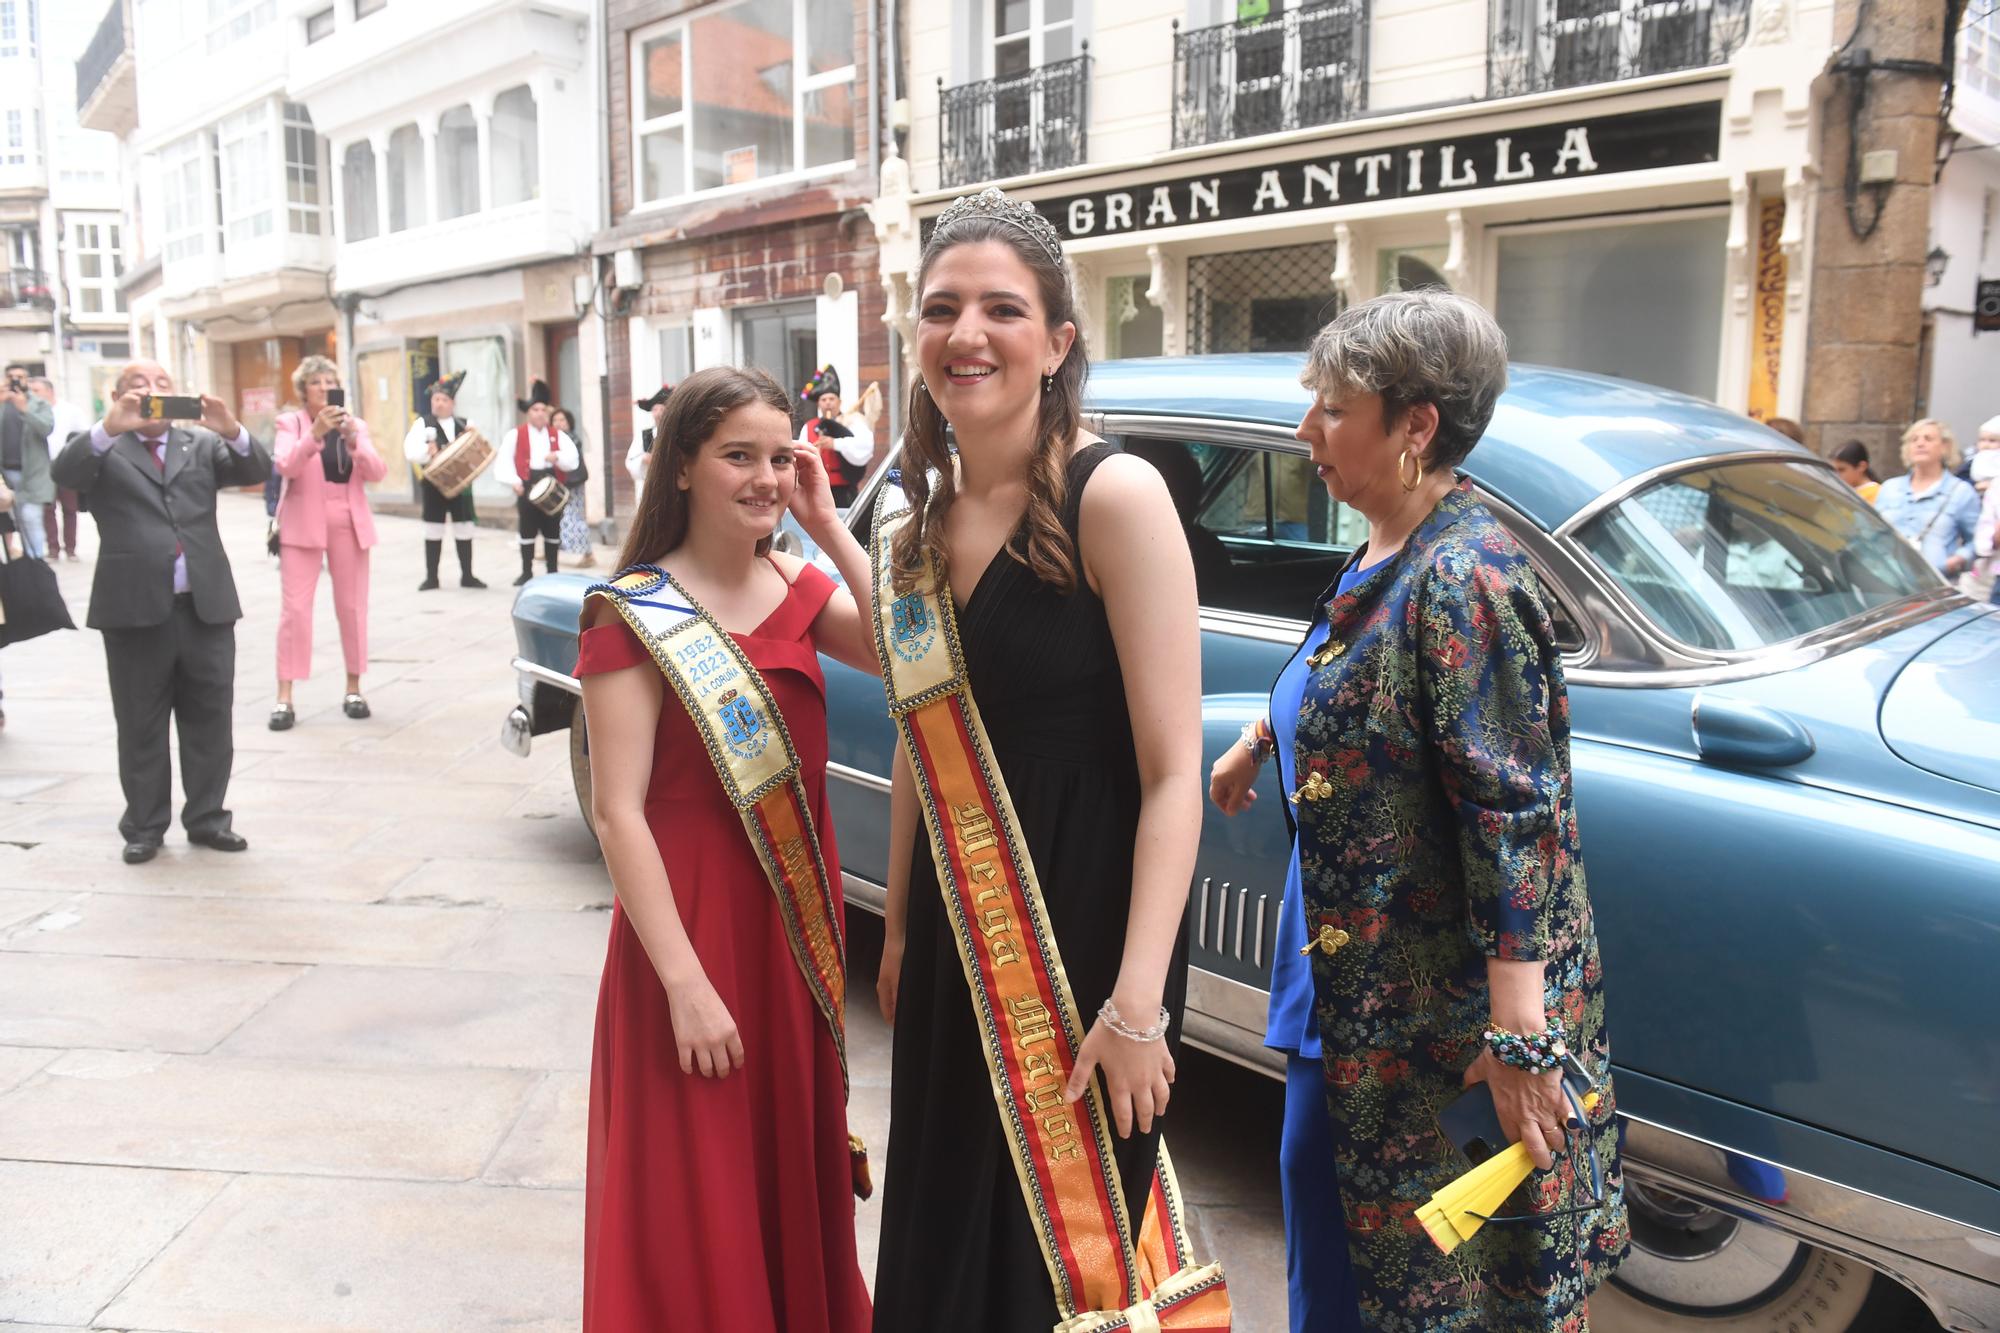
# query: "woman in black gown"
1077,611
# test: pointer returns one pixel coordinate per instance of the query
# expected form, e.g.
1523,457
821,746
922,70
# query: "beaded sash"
1027,1015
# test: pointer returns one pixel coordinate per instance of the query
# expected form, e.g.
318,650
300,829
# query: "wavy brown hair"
696,407
929,479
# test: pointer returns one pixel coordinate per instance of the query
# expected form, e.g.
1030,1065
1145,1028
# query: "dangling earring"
922,387
1048,382
1409,483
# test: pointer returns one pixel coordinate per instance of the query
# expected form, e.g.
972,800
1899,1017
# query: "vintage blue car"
1787,756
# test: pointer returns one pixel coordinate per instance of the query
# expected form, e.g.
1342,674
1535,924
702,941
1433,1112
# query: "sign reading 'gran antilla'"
1558,151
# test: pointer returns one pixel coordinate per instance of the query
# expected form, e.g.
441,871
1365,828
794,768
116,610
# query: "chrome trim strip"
1257,942
1201,916
858,777
1259,435
1242,910
1639,481
1953,1266
542,674
864,893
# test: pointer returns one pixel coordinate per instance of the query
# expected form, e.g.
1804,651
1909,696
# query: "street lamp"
1934,266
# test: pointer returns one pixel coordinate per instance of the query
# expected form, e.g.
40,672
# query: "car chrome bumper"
517,732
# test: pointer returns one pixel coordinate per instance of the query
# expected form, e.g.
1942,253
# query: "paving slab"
95,866
259,931
508,883
547,1149
529,839
18,1063
72,1236
131,1003
571,943
417,1016
215,1113
367,1255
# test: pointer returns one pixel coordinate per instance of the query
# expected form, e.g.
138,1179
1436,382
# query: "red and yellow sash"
746,739
1027,1014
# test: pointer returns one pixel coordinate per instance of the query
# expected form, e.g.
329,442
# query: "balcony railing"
1017,124
1537,45
1307,67
25,288
102,53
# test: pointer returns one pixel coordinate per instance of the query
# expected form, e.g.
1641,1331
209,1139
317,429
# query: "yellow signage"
1767,310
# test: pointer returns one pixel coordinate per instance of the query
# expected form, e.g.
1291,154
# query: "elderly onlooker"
25,422
326,458
59,514
1984,469
1933,509
165,600
575,514
1422,733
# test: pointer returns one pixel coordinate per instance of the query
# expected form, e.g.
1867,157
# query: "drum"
459,462
548,495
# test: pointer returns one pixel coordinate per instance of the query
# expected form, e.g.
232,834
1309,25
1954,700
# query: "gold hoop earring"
1409,483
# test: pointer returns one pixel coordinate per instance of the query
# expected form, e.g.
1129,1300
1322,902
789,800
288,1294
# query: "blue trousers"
1318,1273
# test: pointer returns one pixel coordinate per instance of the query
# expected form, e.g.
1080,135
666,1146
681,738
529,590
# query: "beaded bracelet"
1112,1019
1258,740
1536,1052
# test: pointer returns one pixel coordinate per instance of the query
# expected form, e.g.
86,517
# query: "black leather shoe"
525,576
429,584
468,581
222,840
138,853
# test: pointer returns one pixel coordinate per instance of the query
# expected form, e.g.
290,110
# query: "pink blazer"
302,512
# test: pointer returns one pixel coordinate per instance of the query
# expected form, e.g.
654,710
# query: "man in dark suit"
165,600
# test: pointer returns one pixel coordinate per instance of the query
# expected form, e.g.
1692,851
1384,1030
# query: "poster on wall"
1767,322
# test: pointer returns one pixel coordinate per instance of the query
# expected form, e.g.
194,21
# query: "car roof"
1558,439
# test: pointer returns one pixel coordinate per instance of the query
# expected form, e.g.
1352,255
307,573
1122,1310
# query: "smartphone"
1471,1125
170,407
336,398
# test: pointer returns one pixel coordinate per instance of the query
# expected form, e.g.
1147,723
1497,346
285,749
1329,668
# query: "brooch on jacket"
1334,648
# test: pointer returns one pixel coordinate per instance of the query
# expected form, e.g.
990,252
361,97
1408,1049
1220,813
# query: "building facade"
1622,183
28,276
743,153
1964,361
460,136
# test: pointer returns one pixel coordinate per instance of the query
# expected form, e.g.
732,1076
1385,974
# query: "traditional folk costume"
727,1204
535,452
842,454
441,431
1025,1214
639,454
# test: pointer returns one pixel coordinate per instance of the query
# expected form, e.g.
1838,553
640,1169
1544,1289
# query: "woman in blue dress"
1436,931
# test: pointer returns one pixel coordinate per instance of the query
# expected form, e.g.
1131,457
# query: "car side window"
1266,538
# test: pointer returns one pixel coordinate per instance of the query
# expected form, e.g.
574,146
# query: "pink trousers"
298,569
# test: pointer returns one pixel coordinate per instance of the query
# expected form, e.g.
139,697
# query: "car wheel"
579,765
1693,1269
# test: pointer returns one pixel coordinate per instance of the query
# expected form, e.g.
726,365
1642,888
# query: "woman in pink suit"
325,458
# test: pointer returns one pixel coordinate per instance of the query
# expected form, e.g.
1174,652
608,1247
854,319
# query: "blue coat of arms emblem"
912,630
743,729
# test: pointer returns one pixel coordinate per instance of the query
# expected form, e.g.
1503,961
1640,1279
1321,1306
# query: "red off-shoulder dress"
720,1204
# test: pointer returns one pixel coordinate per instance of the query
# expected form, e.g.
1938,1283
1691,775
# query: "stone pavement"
339,1081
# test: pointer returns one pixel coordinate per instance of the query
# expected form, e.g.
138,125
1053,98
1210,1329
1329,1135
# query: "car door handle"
1733,733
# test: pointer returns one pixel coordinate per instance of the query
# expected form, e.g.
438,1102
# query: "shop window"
1642,301
406,180
791,109
458,163
516,147
1260,300
246,153
357,186
782,340
487,397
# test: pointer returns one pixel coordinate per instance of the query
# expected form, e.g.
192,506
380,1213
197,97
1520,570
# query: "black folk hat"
658,399
448,385
538,392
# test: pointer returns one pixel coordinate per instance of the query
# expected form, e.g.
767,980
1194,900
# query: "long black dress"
957,1250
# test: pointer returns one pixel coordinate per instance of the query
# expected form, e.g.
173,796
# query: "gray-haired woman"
1437,932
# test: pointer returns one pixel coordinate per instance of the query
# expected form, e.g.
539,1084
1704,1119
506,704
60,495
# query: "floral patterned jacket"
1436,829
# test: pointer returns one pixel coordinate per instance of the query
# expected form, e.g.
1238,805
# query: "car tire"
579,765
1693,1269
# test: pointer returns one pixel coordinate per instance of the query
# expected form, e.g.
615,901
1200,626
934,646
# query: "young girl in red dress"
719,1192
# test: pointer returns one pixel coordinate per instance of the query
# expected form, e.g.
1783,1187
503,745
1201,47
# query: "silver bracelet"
1112,1019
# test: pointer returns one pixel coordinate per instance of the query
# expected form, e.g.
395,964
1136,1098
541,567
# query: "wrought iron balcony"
1015,124
1308,66
25,288
106,83
1535,45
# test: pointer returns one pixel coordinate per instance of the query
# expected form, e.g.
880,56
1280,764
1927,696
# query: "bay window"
516,147
184,197
775,96
357,189
458,163
407,207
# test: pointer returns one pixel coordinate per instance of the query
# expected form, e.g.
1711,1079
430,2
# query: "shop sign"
1986,307
1767,329
1560,150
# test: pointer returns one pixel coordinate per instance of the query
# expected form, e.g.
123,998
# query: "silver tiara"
992,203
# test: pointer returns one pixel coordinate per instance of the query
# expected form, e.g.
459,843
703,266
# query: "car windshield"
1741,555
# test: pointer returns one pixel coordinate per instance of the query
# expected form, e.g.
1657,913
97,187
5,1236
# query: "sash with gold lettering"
1027,1015
746,739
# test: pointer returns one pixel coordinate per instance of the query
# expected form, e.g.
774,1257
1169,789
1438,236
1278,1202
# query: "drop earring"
1048,382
